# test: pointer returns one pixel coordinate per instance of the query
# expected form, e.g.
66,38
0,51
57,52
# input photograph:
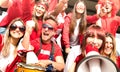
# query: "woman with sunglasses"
110,49
30,10
9,45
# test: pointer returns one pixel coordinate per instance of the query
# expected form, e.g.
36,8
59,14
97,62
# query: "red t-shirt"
46,49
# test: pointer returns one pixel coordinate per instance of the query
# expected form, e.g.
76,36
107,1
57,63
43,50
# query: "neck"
78,16
14,41
106,55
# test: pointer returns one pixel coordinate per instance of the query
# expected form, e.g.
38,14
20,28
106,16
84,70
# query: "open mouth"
46,34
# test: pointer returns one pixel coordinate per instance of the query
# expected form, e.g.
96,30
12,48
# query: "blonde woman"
110,49
9,45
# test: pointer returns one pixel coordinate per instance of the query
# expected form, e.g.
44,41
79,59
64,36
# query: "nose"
95,40
108,45
46,29
17,29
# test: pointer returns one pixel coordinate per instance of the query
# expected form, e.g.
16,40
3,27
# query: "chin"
38,15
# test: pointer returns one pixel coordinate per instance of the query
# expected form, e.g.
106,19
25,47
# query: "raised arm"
5,3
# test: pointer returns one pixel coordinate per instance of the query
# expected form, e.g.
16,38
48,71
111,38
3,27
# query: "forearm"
57,66
59,8
26,41
5,3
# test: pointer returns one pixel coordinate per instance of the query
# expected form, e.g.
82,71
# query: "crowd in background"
58,39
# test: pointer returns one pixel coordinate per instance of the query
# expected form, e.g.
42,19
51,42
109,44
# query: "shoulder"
56,46
35,42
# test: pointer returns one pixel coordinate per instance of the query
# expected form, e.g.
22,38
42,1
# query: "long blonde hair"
113,54
6,40
82,23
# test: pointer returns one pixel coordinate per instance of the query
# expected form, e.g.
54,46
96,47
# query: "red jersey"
45,49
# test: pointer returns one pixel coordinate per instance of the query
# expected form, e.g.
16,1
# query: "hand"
103,12
90,48
44,63
67,50
30,25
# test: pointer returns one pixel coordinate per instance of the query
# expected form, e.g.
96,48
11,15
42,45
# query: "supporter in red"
74,27
43,45
30,9
108,10
27,10
95,36
9,45
110,49
78,16
61,19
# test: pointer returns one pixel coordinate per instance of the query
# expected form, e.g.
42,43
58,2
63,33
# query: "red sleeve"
1,42
58,51
13,12
52,5
90,48
60,27
81,38
27,7
118,62
65,35
13,65
79,58
92,19
36,44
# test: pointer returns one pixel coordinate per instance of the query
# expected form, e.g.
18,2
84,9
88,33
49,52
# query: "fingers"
30,25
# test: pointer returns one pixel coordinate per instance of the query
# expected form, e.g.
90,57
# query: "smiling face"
108,6
80,7
17,29
94,40
48,30
108,46
40,10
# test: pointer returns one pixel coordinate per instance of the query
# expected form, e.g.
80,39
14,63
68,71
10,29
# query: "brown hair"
83,22
91,31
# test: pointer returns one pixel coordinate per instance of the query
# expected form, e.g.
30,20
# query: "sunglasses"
14,27
47,26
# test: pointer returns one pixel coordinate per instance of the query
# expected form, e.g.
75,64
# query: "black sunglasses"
14,27
47,26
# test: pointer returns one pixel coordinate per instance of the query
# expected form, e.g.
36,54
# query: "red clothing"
27,8
13,66
13,12
118,62
23,10
89,49
111,24
79,58
46,49
1,42
66,34
52,4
